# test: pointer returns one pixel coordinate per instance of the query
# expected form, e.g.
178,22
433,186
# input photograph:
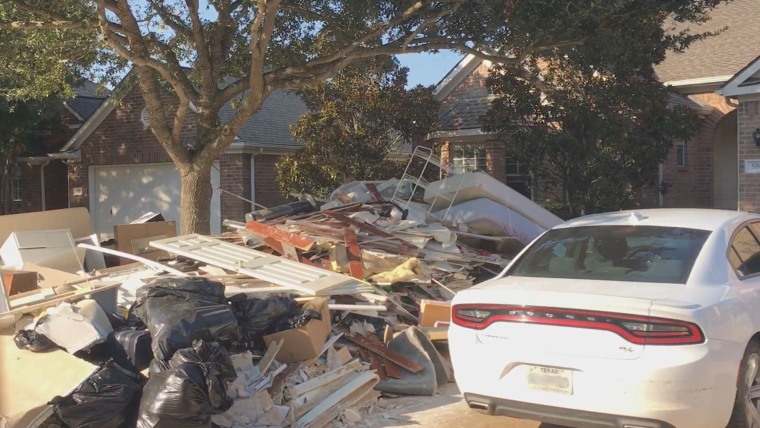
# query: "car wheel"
746,413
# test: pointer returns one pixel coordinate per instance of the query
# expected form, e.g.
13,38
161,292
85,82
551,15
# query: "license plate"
550,379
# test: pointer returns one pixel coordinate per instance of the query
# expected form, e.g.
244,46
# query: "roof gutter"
39,160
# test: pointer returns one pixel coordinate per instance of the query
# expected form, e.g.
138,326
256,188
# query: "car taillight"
641,330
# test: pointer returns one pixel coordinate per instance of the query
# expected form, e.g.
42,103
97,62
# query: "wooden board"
355,267
75,219
30,380
301,242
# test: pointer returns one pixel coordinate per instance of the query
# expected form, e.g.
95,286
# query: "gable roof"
269,127
717,57
745,82
454,77
87,99
466,111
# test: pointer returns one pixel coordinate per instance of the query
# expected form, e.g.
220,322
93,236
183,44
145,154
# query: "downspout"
253,179
659,185
42,182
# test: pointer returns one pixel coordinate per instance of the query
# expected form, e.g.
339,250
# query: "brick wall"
749,184
268,192
236,178
692,186
56,193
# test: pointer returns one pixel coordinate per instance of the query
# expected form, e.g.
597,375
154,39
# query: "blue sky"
428,69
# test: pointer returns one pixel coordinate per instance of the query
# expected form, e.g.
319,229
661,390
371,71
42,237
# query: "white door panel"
121,193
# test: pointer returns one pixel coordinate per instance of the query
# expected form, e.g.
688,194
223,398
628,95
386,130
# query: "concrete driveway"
445,410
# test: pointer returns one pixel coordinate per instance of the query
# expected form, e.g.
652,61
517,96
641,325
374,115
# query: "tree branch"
168,18
44,25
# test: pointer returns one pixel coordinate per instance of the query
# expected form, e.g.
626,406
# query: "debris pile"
301,316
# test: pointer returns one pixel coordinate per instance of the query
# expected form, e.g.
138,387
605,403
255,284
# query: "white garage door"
122,193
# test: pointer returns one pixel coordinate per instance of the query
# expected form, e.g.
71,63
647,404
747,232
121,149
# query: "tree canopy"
190,48
591,122
354,124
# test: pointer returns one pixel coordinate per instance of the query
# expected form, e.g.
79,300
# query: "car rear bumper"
557,415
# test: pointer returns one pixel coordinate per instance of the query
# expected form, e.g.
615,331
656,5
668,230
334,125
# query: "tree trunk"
195,206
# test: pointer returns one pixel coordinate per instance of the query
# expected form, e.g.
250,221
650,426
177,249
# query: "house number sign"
752,166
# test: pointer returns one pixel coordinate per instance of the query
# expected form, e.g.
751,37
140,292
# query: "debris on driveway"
297,317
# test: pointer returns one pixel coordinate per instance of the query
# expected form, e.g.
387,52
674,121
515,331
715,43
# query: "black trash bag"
184,396
206,352
256,316
107,399
105,351
295,319
178,311
33,341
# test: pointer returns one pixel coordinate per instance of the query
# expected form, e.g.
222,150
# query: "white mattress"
486,217
475,185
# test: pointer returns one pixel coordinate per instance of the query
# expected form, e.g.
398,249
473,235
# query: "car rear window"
614,253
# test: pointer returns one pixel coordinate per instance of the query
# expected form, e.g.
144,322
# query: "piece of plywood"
135,238
277,270
31,379
75,219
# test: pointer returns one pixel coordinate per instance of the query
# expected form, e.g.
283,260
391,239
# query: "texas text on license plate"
550,379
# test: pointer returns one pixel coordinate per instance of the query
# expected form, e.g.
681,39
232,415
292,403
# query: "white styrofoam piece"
487,217
277,270
75,327
475,185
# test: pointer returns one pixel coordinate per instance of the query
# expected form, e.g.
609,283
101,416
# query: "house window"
465,158
681,154
517,178
16,186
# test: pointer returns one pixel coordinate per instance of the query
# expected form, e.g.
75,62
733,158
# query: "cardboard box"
304,343
135,238
432,311
18,281
49,248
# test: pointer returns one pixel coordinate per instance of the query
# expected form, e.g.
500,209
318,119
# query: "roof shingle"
721,55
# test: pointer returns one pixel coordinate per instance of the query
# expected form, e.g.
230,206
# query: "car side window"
744,253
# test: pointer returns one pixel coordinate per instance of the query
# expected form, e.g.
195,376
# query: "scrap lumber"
384,352
147,262
277,270
374,192
358,382
301,242
367,228
8,317
354,254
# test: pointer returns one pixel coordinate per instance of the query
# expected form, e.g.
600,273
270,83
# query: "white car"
634,319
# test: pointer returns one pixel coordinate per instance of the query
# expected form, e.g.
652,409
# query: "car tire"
746,413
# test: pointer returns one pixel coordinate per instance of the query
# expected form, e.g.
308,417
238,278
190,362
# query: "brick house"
702,172
115,167
40,180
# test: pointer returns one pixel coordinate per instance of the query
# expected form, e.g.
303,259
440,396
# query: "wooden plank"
301,242
374,192
149,263
322,380
31,379
355,267
385,353
277,270
358,382
377,366
8,318
366,227
270,356
392,369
